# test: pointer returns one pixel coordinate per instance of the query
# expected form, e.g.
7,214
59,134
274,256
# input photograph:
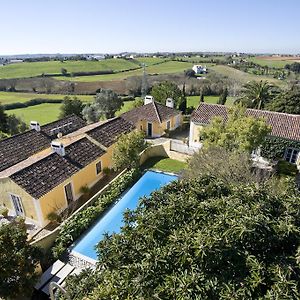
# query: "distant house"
198,69
154,118
282,143
44,170
15,61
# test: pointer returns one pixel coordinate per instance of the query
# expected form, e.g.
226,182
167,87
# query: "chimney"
148,99
170,102
35,125
58,148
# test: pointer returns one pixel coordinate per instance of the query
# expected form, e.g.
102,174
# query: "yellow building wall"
55,200
7,187
197,132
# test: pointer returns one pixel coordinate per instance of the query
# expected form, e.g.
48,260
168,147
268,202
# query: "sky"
113,26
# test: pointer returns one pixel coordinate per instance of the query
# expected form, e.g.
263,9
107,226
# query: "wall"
55,200
194,136
7,186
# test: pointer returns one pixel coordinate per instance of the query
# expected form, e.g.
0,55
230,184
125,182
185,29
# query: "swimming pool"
112,221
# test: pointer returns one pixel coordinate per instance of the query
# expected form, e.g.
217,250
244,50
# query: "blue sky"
110,26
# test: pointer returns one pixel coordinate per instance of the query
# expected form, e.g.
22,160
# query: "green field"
244,77
29,69
151,60
10,97
269,62
194,100
43,113
165,164
163,68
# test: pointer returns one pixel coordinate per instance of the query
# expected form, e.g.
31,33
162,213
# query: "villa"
154,118
282,143
46,168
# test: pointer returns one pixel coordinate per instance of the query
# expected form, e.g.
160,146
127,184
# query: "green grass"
244,77
163,68
128,105
270,63
29,69
194,100
150,60
43,113
11,97
164,164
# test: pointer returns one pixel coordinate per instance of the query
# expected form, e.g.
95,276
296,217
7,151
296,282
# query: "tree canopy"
18,261
127,149
167,89
201,239
255,94
71,106
240,132
106,104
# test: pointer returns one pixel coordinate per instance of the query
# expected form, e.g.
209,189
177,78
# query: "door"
69,192
17,203
149,129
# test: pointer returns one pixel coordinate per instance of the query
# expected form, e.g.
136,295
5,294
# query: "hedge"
274,147
78,223
31,102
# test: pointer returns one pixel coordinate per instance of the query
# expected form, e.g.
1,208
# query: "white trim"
38,210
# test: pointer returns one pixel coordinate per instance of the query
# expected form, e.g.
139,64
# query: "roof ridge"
156,111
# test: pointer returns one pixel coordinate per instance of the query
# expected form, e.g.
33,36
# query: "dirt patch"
280,58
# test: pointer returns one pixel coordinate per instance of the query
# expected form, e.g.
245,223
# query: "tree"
18,261
189,73
167,89
201,239
71,106
240,132
231,167
127,149
286,101
256,94
201,96
3,119
106,104
15,125
223,97
183,104
64,72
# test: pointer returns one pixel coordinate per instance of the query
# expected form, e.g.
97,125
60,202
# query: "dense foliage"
106,103
167,89
18,261
240,132
71,106
201,239
79,222
127,149
255,94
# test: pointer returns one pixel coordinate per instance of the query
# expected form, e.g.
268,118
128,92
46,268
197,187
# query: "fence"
181,147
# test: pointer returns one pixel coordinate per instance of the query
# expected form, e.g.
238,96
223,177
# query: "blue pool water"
112,221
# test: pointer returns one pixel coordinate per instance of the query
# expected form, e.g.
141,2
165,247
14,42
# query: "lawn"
194,100
29,69
164,164
163,68
43,113
11,97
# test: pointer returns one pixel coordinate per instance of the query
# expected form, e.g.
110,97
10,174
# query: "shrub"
85,189
81,221
4,211
286,168
54,217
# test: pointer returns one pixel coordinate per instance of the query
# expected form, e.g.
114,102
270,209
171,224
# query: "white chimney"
58,148
170,102
35,125
148,99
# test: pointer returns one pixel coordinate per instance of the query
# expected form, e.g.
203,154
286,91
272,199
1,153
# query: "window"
17,203
141,127
168,125
69,192
98,167
291,155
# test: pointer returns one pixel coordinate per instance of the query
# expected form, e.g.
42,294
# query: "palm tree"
256,94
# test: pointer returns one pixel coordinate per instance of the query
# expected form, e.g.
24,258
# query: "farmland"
30,69
275,62
11,97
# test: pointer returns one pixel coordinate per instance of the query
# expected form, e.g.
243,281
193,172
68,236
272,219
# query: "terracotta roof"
151,112
21,146
108,132
41,177
283,125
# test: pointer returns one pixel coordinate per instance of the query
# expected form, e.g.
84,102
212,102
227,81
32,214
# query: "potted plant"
4,212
